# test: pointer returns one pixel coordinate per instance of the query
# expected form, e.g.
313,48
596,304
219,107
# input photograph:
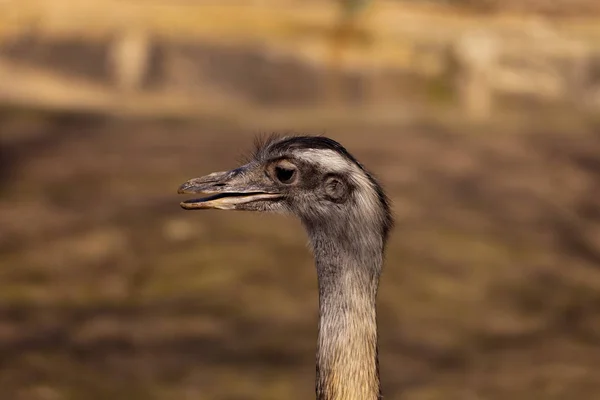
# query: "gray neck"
348,266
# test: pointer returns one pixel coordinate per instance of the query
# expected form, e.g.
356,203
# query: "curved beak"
229,190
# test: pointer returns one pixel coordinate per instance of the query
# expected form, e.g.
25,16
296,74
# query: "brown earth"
108,290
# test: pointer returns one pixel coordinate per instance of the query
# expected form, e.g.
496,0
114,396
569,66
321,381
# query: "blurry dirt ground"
491,288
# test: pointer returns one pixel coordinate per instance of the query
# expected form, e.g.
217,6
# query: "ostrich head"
311,177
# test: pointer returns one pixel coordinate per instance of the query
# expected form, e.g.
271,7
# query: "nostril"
219,184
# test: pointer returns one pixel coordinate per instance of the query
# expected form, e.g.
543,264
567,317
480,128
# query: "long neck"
347,354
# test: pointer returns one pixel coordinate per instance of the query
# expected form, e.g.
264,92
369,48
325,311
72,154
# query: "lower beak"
225,201
224,190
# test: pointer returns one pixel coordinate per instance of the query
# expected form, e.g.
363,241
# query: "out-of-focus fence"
185,57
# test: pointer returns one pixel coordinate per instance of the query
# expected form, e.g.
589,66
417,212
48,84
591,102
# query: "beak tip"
185,206
184,188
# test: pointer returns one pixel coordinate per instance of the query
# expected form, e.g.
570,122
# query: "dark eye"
284,175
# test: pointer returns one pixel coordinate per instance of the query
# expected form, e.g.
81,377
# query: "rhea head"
311,177
347,217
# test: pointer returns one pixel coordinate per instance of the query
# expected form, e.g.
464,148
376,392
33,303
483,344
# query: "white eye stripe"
328,159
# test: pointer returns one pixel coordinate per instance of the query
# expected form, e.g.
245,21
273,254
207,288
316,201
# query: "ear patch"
336,189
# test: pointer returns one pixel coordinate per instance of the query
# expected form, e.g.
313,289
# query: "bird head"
311,177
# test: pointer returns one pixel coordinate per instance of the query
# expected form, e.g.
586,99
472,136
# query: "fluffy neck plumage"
348,263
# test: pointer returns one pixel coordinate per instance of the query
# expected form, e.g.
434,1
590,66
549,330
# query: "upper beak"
226,191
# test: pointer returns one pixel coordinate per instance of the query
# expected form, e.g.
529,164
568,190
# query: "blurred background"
480,117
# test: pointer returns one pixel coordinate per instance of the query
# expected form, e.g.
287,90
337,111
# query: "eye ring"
285,174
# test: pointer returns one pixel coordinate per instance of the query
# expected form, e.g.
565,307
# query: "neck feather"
348,269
